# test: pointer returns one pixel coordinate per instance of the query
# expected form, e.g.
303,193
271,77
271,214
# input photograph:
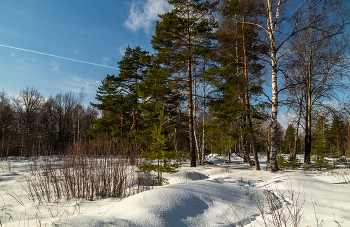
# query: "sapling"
293,162
159,150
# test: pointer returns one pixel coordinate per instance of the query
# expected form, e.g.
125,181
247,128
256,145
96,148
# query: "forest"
219,75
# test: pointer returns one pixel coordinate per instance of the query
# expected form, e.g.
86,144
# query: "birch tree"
281,22
321,62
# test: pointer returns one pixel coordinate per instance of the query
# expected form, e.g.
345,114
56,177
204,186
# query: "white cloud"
105,60
143,15
122,50
21,61
13,54
86,82
90,86
55,66
76,52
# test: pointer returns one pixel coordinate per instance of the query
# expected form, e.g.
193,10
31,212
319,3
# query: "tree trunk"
190,116
194,116
190,97
245,145
297,131
203,123
271,25
273,133
3,138
307,157
255,148
268,144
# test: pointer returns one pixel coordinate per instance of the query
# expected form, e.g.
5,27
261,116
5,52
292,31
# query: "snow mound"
199,203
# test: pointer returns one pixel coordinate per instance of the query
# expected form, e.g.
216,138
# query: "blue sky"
90,31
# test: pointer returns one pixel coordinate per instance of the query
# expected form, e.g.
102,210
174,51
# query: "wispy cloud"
286,118
142,15
86,81
55,66
105,60
89,85
122,49
21,61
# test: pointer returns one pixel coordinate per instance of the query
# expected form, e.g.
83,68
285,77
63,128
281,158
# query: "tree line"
31,125
330,136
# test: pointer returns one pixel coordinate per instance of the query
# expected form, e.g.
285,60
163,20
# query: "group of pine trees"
206,86
330,136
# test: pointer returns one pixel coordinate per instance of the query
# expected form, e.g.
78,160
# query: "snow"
221,194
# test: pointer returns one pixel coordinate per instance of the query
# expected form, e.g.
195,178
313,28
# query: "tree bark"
297,130
271,27
307,158
248,111
190,113
203,123
194,116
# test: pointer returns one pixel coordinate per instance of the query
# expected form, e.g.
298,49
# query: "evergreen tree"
158,149
320,144
289,140
119,101
238,80
337,134
182,36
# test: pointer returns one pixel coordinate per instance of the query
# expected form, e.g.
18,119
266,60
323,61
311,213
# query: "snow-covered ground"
221,194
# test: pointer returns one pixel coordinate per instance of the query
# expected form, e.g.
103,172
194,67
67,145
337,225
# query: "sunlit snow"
222,194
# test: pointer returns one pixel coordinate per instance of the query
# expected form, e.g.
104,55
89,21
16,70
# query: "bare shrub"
277,208
5,166
341,175
82,175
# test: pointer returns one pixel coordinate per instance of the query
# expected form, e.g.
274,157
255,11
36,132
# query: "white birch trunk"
271,28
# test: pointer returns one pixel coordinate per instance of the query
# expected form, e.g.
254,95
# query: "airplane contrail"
55,56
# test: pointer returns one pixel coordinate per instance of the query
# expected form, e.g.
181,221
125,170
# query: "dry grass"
83,175
5,166
276,208
340,175
280,209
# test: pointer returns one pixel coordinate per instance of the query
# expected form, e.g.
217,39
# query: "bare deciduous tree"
320,64
281,22
27,106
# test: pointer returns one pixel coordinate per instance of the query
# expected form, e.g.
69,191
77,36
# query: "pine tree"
337,134
289,140
238,80
182,36
158,149
119,101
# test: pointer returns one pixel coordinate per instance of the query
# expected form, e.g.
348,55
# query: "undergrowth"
83,177
88,173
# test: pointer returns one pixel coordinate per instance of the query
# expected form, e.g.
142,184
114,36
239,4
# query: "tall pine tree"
238,80
119,100
289,140
182,35
337,134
